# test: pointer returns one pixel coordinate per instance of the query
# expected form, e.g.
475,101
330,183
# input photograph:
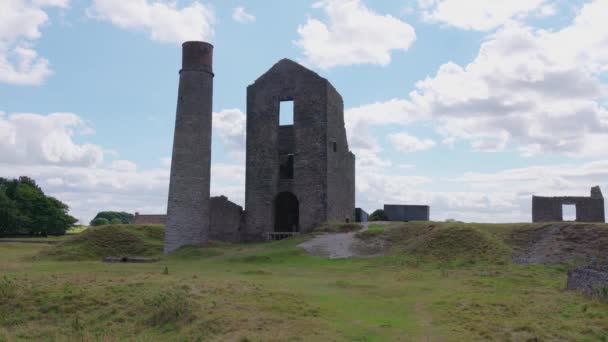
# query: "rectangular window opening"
334,146
286,113
286,167
569,212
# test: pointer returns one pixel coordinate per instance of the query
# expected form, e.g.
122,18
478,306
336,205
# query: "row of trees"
26,210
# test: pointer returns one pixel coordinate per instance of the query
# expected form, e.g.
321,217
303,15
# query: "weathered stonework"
406,213
188,204
299,175
588,209
361,215
149,219
592,281
226,221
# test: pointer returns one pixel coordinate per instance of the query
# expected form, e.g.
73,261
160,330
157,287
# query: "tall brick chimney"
188,204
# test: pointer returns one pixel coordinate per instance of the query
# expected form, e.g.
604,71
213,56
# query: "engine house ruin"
297,175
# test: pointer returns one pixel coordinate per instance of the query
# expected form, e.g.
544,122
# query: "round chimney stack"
197,56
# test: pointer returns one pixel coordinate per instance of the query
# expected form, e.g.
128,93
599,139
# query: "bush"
378,215
113,217
100,221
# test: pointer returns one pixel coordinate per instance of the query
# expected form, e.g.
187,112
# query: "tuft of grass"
167,308
111,240
8,289
374,230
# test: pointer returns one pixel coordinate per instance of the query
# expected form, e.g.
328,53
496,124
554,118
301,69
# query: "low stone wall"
589,280
226,220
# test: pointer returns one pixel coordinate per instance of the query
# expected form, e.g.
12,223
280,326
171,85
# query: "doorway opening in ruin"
286,113
286,213
568,212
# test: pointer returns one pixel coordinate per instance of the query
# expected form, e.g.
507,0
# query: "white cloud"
162,20
534,90
124,166
353,34
20,23
229,127
502,196
46,139
404,142
43,148
240,15
482,15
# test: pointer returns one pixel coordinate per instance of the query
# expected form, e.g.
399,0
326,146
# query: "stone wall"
226,220
396,212
589,280
588,209
361,215
323,179
149,219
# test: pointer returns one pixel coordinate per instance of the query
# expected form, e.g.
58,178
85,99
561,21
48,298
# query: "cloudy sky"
468,106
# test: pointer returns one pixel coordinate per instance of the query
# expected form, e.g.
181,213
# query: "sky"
470,107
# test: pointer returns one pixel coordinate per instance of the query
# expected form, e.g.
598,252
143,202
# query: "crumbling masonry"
297,175
302,174
588,209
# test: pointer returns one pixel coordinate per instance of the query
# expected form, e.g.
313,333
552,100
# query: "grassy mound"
446,242
113,240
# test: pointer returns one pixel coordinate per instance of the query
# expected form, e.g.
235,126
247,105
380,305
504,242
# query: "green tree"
25,209
100,221
125,218
116,221
378,215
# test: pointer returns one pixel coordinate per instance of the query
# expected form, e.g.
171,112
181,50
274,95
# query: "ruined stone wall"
361,215
588,209
289,81
226,220
188,202
149,219
340,162
589,280
394,212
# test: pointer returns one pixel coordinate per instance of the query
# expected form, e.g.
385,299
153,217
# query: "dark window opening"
286,166
569,212
286,213
286,113
334,146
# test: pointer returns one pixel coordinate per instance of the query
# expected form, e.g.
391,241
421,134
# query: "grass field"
427,290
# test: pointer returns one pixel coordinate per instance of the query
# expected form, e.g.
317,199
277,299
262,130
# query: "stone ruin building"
297,175
406,213
588,209
301,174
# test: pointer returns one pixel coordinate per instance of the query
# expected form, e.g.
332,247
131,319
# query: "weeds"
169,307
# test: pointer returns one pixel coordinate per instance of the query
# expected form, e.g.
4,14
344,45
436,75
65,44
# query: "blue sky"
470,107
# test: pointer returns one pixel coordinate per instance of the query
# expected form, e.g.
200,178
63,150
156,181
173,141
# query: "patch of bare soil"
560,243
341,245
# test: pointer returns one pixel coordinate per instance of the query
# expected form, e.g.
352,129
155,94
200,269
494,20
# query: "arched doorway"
286,213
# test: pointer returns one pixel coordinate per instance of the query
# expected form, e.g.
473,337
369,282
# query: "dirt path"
338,245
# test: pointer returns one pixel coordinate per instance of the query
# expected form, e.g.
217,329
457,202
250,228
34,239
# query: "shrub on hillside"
100,221
378,215
26,210
113,217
